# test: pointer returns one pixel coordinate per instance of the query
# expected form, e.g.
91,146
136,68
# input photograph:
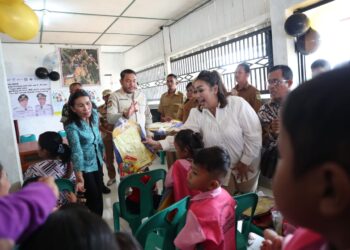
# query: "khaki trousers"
243,187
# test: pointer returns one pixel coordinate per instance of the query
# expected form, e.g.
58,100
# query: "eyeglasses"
276,82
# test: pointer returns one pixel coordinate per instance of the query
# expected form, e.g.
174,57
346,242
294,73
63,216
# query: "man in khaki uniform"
171,101
244,89
106,133
129,102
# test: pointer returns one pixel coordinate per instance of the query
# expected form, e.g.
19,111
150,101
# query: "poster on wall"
59,98
30,96
79,65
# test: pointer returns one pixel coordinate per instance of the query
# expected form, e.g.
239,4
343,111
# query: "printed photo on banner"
30,96
59,98
80,65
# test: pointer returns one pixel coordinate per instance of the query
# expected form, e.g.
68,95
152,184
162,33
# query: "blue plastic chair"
146,198
62,133
27,138
160,230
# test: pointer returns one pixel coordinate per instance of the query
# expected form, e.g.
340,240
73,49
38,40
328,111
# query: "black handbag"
268,162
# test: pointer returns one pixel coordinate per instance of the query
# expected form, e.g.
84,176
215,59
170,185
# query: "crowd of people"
298,140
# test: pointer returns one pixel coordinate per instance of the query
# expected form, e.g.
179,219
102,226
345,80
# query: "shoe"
111,181
105,190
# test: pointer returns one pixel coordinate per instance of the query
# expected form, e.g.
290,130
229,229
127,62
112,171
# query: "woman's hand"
79,186
243,171
154,144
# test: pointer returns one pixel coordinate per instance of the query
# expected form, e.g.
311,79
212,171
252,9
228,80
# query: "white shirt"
235,127
120,101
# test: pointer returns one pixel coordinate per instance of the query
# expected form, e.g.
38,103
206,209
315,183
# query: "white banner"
30,96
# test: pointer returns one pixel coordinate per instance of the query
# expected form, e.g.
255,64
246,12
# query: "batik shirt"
267,113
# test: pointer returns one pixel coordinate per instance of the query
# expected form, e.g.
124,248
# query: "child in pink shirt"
210,221
186,143
312,180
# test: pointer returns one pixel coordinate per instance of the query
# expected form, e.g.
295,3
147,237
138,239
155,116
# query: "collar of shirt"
129,94
176,93
206,195
244,87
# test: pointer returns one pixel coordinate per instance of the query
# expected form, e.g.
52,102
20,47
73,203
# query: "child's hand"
272,240
50,182
71,197
79,186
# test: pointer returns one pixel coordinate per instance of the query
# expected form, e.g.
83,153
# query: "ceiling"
119,24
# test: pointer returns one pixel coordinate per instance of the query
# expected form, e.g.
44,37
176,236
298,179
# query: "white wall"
147,53
23,59
9,156
283,44
219,18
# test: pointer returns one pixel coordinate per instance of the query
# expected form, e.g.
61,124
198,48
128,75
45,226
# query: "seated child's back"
210,221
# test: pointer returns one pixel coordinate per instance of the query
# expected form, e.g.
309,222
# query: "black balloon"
41,73
297,24
309,42
54,76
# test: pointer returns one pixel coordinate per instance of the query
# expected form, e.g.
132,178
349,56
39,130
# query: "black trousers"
93,194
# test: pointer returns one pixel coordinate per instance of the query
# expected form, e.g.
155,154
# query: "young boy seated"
312,180
210,221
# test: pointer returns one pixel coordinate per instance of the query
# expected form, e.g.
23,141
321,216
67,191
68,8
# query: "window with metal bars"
152,81
254,48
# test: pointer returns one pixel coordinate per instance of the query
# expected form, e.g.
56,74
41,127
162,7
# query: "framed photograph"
80,65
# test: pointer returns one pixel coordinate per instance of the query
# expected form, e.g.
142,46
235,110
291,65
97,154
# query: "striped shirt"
54,168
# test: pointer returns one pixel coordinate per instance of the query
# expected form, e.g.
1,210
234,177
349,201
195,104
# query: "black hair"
172,75
52,142
213,78
72,229
320,63
245,67
189,84
187,139
75,84
316,118
125,72
215,160
23,96
126,241
287,73
73,117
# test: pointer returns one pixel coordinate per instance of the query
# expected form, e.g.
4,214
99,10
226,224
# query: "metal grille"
254,48
153,76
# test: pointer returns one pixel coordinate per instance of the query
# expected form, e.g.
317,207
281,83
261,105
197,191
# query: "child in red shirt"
210,222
